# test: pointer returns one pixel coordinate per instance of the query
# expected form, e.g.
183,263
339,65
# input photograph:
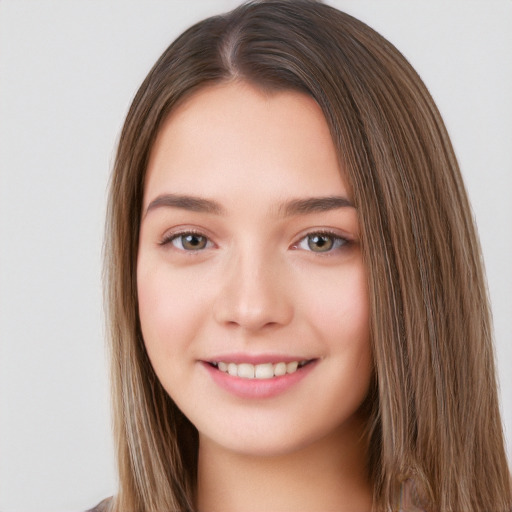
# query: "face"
252,292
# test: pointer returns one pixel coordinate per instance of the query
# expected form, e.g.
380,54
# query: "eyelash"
169,239
339,242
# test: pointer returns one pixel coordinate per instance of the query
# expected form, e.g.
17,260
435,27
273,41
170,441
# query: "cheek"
169,308
341,308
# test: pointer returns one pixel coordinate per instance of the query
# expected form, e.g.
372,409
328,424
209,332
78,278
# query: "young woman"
298,313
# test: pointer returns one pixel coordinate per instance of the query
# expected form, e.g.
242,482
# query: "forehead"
233,138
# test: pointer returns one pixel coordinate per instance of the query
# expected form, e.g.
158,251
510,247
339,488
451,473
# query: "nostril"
252,302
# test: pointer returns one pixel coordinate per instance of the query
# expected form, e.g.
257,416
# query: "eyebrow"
287,209
190,203
314,205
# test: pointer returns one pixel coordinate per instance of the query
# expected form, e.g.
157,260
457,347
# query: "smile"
259,371
258,379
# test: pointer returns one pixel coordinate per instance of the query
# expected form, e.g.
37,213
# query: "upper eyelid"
335,233
168,239
346,239
176,232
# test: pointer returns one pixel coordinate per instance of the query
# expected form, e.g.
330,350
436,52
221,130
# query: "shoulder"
102,506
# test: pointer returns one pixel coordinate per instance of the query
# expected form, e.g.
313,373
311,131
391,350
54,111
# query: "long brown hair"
434,415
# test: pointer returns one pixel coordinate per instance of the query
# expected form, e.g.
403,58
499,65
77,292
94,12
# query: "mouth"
263,371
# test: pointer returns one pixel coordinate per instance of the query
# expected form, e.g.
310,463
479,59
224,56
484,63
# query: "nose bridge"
254,292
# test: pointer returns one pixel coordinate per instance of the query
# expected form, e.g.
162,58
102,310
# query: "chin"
273,439
265,447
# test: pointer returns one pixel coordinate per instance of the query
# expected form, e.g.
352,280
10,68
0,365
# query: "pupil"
320,243
193,242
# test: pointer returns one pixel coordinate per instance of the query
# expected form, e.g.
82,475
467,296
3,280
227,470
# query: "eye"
321,242
188,241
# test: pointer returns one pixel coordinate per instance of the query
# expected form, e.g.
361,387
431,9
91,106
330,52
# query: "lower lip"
258,388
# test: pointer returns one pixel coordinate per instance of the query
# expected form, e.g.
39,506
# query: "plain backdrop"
68,71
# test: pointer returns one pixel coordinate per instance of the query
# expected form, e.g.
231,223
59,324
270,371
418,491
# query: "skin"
253,283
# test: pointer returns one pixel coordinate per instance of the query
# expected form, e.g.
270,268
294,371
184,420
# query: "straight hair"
433,408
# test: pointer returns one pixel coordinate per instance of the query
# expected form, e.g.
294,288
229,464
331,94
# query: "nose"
254,295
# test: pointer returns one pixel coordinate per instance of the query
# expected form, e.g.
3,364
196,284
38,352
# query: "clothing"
408,500
102,506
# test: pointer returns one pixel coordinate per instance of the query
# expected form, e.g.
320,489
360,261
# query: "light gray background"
68,71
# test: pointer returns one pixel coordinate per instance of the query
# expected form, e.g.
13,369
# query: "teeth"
259,371
246,371
280,369
264,371
292,367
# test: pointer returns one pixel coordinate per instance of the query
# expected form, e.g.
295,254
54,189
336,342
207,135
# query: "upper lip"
239,358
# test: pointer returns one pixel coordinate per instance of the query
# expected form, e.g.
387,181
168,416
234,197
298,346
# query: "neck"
329,475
